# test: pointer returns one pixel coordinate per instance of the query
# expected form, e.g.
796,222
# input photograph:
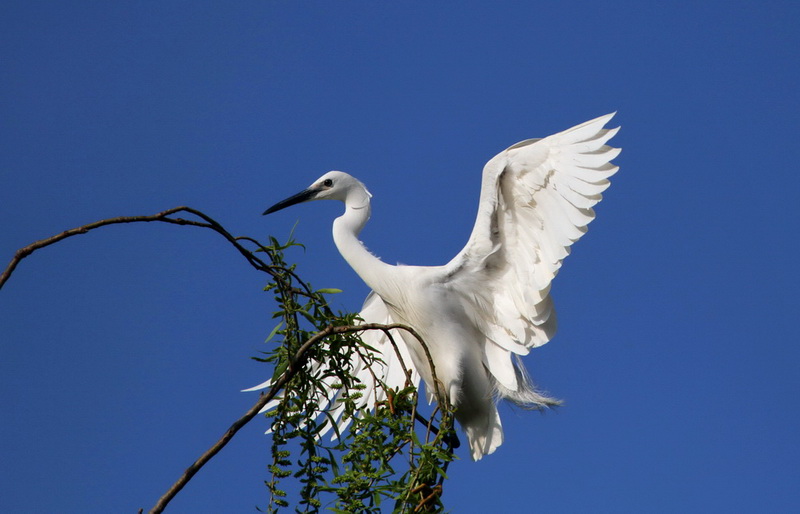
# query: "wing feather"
593,144
537,198
496,359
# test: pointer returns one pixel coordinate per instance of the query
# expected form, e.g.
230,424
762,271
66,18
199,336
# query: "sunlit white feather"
491,303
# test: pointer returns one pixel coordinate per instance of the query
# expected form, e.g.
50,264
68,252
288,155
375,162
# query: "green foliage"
389,457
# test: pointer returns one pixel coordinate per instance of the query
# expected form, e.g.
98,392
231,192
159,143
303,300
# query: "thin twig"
164,217
295,365
407,372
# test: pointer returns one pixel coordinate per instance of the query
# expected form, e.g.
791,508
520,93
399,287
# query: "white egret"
491,303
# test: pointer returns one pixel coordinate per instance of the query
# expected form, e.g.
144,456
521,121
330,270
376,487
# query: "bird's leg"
453,441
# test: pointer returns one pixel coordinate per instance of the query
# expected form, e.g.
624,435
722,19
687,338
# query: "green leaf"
380,457
280,369
274,331
329,290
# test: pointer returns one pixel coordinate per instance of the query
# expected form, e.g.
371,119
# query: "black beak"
302,196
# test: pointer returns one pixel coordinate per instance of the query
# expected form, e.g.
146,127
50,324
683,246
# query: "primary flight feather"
491,303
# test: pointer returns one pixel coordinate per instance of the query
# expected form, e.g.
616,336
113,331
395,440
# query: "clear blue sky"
123,351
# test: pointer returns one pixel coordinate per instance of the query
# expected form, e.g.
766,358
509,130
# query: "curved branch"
164,217
169,216
295,366
441,398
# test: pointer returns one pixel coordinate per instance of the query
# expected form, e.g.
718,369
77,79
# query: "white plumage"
491,303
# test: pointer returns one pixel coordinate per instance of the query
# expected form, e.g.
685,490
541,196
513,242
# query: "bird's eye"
328,182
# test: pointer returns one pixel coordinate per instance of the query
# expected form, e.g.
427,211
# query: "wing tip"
586,131
262,385
602,120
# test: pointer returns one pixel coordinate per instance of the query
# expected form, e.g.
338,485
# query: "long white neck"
346,228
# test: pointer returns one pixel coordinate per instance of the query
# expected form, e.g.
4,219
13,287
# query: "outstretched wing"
388,367
536,201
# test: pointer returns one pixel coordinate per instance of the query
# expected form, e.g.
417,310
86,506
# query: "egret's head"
334,185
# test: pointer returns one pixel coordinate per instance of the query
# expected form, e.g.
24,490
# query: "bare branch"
164,217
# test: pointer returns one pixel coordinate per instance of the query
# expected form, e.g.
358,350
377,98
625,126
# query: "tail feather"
485,434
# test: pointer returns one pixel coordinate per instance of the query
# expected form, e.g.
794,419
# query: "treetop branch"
164,217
